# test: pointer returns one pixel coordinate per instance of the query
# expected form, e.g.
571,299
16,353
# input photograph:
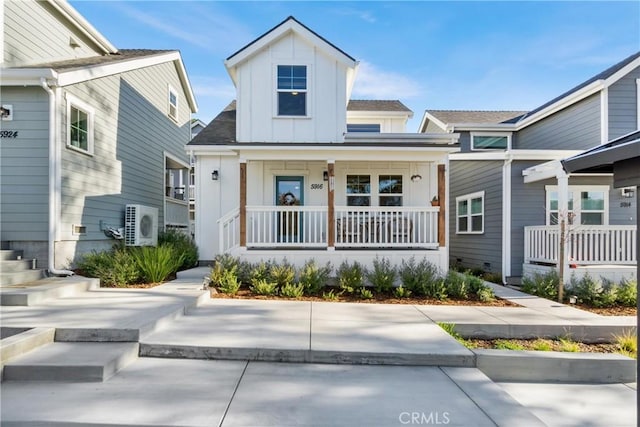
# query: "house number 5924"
8,134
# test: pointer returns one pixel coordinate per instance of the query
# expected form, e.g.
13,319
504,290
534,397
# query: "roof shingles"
122,55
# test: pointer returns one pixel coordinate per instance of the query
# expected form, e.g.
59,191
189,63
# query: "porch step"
17,344
20,277
72,362
37,291
17,265
8,254
14,269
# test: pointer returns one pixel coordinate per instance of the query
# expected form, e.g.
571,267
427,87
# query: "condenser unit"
140,225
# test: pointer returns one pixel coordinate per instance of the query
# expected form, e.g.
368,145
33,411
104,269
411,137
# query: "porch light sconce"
215,175
627,192
416,178
325,176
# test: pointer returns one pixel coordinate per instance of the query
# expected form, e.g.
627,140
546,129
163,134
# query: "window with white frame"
390,190
173,104
587,205
487,141
80,117
358,190
470,213
292,90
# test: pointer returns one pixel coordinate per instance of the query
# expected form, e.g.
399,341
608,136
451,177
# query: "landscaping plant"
383,275
157,263
366,293
222,264
313,277
628,344
291,290
283,274
114,268
350,276
401,292
229,283
422,279
329,296
183,244
263,287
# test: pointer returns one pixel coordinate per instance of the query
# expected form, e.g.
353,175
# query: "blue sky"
431,55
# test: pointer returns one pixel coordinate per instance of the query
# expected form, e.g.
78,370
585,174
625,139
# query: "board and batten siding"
623,105
35,33
258,119
577,127
474,250
24,166
132,132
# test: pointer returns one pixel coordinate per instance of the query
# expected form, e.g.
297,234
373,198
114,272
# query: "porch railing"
176,212
229,231
593,244
281,226
404,226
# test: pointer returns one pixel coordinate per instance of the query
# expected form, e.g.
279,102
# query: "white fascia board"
516,155
563,103
622,72
543,171
282,30
27,76
83,25
426,138
434,119
379,114
70,77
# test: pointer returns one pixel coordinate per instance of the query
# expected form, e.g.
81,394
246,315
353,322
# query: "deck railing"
176,212
585,245
229,231
283,226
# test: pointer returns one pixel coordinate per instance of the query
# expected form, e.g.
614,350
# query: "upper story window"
587,205
173,104
470,213
482,141
292,90
79,125
390,190
372,127
358,190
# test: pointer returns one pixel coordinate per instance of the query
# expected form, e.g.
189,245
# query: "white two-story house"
294,168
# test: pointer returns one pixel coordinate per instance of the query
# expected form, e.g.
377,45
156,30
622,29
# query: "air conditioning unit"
140,225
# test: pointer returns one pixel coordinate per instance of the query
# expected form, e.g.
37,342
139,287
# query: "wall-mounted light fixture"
627,192
215,175
325,176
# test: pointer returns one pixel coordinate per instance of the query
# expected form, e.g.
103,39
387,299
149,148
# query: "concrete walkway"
178,319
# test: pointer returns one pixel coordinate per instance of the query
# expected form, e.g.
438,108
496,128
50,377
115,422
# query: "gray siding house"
86,129
508,189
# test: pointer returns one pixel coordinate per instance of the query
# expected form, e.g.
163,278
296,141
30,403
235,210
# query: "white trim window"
587,205
172,103
359,190
80,128
390,190
292,90
470,213
483,141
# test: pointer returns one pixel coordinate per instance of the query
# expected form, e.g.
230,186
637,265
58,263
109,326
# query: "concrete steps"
71,362
37,291
15,270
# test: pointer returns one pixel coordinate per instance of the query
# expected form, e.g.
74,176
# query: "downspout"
506,217
53,187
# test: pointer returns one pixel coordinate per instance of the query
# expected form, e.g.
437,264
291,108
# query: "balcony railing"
585,245
176,212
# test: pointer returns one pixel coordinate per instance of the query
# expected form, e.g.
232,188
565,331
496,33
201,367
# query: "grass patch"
542,345
508,345
628,344
568,345
450,328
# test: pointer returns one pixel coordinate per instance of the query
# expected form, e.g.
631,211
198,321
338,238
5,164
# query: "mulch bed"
556,345
378,299
610,311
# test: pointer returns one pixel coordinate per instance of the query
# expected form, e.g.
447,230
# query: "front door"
289,192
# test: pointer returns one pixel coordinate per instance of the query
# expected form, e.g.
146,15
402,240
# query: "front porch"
601,250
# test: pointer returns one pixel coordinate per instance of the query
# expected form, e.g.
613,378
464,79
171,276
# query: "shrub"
292,291
350,276
401,292
588,290
383,275
313,278
542,285
608,295
486,294
507,345
366,293
259,272
436,289
627,344
262,287
627,294
157,263
283,274
422,279
244,271
476,284
114,268
229,281
222,263
183,244
330,296
457,285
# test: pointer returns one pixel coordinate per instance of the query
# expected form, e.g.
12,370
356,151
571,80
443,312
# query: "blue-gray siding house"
506,181
86,129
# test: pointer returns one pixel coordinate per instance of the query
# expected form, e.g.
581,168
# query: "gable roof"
287,26
73,71
377,105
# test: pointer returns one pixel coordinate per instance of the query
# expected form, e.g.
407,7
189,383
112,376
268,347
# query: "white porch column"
563,224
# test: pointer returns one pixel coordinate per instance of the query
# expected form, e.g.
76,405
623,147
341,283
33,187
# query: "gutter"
506,217
53,181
